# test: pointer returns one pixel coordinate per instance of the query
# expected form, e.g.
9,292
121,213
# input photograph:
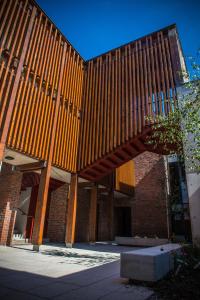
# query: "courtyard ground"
84,272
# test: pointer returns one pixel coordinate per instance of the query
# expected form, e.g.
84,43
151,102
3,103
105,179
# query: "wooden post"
93,215
71,211
46,173
41,207
15,86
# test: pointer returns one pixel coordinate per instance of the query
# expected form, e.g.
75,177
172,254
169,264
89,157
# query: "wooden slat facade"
102,102
125,85
31,124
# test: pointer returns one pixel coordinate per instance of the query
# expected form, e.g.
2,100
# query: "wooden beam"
6,123
93,215
71,211
31,166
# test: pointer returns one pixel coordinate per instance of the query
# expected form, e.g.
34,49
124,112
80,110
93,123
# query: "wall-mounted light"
9,157
87,187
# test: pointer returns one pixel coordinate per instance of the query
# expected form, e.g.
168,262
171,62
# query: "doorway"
122,221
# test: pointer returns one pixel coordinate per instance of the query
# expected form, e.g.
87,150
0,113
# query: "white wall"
21,219
193,184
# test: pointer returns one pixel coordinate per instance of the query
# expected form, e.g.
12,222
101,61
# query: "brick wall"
149,207
10,186
105,217
82,219
57,214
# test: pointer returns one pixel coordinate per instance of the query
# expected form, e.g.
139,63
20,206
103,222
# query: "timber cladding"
37,88
101,103
121,87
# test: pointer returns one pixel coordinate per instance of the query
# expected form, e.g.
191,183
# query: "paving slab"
16,295
56,272
53,290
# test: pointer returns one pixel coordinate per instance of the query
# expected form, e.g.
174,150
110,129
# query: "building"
72,132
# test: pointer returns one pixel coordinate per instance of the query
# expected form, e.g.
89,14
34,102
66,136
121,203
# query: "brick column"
93,214
150,205
57,214
10,186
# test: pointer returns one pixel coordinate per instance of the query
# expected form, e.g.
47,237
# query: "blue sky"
93,27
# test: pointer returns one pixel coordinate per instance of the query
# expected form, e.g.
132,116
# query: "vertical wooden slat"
119,99
127,89
46,172
96,149
15,86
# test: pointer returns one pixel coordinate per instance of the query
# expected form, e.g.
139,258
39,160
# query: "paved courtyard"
84,272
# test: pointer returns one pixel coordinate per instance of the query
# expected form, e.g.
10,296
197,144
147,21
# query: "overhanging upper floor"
96,109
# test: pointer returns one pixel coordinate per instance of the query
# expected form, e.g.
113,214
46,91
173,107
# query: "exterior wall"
10,186
150,205
120,88
105,217
193,184
193,178
82,218
58,214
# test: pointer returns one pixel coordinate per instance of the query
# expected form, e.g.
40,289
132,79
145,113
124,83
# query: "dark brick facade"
147,205
10,186
82,219
150,205
58,214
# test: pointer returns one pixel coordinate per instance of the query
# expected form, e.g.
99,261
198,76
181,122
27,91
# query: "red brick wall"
57,214
105,217
149,207
82,218
10,186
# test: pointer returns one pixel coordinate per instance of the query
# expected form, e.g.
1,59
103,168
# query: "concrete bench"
138,241
149,264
